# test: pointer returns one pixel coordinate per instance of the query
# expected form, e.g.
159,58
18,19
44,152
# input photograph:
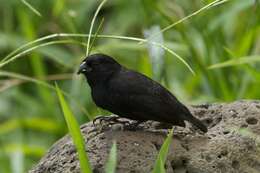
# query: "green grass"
75,133
159,166
110,166
238,61
92,25
9,58
31,8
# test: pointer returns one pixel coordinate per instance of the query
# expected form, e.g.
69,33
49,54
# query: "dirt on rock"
231,145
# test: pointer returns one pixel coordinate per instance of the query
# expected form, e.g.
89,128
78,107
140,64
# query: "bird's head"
98,68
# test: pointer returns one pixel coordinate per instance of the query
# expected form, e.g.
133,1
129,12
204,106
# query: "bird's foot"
133,126
110,120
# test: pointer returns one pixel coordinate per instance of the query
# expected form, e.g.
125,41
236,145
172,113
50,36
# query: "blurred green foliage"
30,117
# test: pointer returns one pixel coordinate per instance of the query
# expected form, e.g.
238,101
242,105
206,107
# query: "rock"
230,146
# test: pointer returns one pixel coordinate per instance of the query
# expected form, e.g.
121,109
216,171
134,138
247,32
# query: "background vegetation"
221,44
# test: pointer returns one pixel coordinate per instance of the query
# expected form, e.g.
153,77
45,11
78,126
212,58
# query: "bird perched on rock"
133,95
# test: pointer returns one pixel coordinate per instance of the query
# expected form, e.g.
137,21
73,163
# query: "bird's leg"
110,119
133,126
106,118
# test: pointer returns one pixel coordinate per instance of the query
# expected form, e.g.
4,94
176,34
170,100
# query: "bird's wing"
137,93
130,83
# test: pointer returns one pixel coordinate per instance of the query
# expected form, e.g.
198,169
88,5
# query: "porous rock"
231,144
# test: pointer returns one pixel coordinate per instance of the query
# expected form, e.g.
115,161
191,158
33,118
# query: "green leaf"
41,124
237,61
161,158
111,163
161,166
75,133
28,150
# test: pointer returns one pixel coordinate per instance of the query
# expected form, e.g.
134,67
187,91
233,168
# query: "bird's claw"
114,119
110,120
133,126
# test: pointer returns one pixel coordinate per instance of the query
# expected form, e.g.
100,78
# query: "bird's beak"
82,67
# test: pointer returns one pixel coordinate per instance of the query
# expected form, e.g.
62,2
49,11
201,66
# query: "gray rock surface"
230,146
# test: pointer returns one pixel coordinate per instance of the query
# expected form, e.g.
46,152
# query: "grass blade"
27,45
75,133
95,36
11,58
31,8
161,158
212,4
92,24
111,163
236,61
45,84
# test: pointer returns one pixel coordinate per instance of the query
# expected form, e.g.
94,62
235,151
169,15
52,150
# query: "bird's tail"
195,121
198,123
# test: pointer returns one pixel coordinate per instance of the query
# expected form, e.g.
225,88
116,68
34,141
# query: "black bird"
133,95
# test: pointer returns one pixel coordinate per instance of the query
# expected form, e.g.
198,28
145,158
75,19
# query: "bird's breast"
107,99
98,96
101,97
